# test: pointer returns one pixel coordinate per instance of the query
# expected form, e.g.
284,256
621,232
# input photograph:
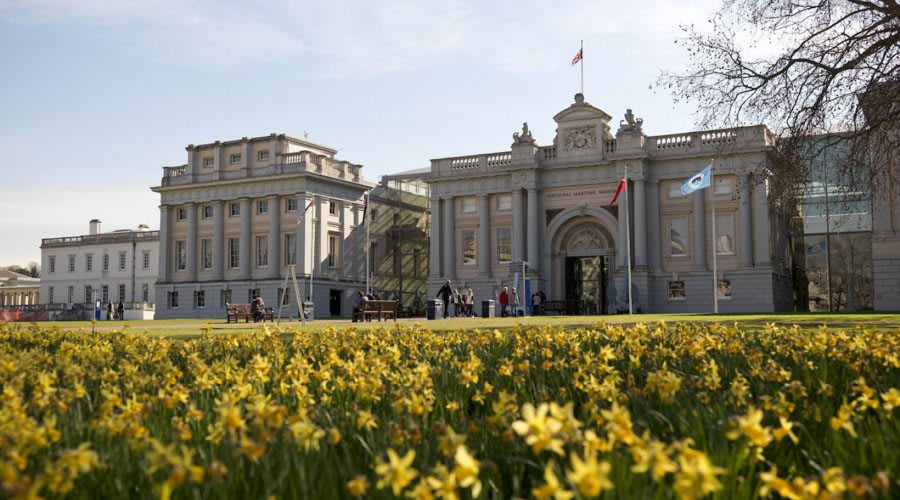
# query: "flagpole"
628,244
712,194
582,66
366,220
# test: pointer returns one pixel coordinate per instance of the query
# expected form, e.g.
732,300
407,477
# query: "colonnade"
14,298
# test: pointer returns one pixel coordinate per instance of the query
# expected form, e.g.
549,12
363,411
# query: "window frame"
51,263
468,205
123,260
462,247
504,207
209,162
88,262
672,293
206,251
291,201
687,236
206,212
262,251
234,253
262,207
234,209
72,263
262,155
181,213
498,243
729,216
235,158
180,255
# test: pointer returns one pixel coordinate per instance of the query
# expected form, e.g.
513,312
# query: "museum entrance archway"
584,251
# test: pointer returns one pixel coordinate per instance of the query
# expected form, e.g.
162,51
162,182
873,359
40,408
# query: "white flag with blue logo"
698,181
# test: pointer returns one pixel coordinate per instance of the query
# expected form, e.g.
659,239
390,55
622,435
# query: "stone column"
449,238
218,241
274,236
191,243
322,237
348,221
484,237
245,244
434,240
518,232
358,240
621,245
534,230
164,274
762,253
699,230
654,257
640,224
745,222
302,247
219,160
246,151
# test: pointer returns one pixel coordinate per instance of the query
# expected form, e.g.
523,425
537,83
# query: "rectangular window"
285,294
332,207
71,263
504,244
724,234
173,300
224,297
235,158
675,190
290,249
181,214
678,237
467,241
199,298
723,289
122,293
145,292
52,263
374,214
145,259
504,202
252,294
106,262
468,205
291,205
234,209
723,186
332,251
206,252
262,155
262,251
206,212
50,295
180,256
88,294
104,294
262,207
676,290
234,253
122,258
208,162
89,262
70,296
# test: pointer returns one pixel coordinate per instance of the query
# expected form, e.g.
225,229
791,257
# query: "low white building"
115,266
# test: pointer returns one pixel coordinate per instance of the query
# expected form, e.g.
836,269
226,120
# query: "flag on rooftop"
577,57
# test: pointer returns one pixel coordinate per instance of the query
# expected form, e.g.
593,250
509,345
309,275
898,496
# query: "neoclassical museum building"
550,206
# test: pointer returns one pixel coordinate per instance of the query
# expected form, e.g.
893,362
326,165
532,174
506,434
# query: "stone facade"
235,216
550,206
117,265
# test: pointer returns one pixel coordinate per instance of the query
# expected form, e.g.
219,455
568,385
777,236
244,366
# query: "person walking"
109,311
120,310
536,304
504,302
470,303
514,302
445,293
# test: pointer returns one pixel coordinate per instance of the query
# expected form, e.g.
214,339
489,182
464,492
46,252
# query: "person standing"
470,303
109,311
445,293
504,302
515,302
120,310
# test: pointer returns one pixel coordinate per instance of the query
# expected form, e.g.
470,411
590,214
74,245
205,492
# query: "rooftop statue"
630,123
525,138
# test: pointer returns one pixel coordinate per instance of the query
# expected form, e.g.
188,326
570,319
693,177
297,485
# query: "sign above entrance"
595,194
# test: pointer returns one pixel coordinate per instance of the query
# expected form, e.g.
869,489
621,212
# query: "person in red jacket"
504,302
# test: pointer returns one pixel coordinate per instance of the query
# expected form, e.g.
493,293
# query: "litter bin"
434,309
487,308
310,309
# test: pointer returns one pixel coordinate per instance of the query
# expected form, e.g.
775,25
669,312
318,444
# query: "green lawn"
196,327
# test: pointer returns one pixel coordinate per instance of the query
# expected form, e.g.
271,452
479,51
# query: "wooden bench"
242,311
567,307
383,309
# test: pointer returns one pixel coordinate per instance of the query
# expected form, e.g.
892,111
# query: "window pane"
468,247
504,202
468,205
504,244
724,234
678,237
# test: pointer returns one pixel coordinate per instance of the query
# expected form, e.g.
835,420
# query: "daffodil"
396,472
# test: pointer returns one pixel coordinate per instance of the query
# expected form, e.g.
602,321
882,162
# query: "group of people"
117,313
258,309
463,303
359,304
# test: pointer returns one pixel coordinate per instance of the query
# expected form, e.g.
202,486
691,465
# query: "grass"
189,328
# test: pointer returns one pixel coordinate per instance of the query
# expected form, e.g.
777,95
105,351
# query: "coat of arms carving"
581,138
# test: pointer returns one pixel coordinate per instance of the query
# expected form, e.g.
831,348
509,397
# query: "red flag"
577,57
618,191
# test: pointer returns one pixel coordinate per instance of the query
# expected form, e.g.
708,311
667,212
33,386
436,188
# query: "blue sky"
97,95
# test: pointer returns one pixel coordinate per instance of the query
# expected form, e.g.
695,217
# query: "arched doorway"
583,259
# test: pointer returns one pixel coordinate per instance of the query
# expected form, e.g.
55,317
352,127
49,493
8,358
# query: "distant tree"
834,68
33,269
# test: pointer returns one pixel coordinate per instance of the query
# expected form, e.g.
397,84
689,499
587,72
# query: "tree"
803,67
